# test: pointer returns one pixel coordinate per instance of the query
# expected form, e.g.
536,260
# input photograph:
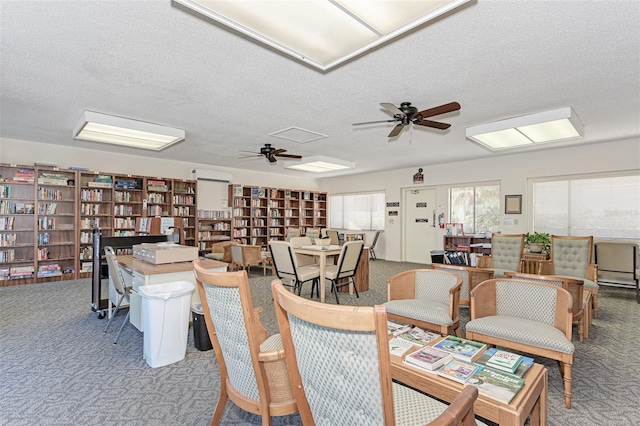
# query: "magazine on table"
399,347
458,370
496,384
420,336
428,358
524,366
463,349
505,361
397,329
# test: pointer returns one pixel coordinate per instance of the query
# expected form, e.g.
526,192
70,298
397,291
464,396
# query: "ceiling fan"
270,153
408,114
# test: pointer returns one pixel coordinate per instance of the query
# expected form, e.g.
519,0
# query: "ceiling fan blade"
272,159
396,130
250,156
288,156
434,124
249,152
392,108
452,106
372,122
278,151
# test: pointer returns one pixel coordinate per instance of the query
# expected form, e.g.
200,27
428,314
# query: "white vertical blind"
364,212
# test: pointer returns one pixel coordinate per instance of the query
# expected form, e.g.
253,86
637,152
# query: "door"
419,225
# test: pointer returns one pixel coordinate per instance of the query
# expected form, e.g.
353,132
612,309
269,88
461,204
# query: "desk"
530,401
322,254
144,273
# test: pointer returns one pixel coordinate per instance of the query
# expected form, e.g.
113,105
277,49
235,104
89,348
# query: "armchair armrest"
486,293
263,334
592,272
454,300
403,286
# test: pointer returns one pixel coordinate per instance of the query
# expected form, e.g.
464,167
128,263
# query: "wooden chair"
527,316
253,367
506,254
571,257
243,256
312,233
339,364
470,276
291,233
221,251
427,298
581,299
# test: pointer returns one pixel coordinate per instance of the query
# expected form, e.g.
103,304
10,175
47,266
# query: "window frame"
475,185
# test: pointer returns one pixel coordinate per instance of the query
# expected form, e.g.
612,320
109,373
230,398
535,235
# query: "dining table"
322,252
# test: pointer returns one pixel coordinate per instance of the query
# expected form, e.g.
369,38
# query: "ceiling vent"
296,134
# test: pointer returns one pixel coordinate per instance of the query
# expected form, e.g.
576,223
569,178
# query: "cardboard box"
158,253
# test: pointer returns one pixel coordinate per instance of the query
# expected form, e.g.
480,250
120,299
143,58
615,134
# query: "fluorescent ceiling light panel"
549,126
97,127
323,33
319,164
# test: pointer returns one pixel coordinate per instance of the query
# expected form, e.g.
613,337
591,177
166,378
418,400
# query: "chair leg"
113,314
355,288
126,320
567,385
334,289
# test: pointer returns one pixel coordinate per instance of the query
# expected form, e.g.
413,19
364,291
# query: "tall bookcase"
213,226
262,214
96,212
184,207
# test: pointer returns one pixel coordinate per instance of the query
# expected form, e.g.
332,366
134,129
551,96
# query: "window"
606,207
362,212
477,207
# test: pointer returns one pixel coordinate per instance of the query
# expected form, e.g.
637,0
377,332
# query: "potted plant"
537,242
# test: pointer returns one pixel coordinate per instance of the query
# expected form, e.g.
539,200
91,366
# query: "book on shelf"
428,358
398,346
420,336
466,350
458,370
496,384
524,366
397,329
505,361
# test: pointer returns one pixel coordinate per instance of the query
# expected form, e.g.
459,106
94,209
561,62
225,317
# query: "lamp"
97,127
319,164
319,32
558,124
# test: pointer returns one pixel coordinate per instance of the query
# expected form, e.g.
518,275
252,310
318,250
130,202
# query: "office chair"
120,286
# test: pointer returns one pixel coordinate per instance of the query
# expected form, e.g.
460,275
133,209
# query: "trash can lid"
196,308
166,291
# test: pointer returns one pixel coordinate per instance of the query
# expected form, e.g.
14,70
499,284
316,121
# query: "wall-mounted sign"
418,177
424,220
394,204
423,205
393,212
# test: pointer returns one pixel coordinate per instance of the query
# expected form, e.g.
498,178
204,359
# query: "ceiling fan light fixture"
548,126
97,127
319,164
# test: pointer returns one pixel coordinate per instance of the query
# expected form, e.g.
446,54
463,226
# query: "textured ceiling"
157,61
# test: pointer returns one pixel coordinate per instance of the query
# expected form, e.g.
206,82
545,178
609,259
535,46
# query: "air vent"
296,134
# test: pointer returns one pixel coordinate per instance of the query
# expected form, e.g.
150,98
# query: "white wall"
512,171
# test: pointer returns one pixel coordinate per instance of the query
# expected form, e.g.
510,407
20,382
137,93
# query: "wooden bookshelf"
184,207
213,226
458,248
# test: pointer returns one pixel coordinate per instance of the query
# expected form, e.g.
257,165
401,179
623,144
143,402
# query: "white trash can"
165,318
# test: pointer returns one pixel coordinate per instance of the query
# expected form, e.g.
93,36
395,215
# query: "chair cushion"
421,310
415,408
528,332
306,273
214,256
499,273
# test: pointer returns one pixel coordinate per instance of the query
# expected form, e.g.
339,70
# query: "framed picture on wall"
513,204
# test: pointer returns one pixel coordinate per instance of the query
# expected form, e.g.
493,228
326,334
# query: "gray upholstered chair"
312,233
427,298
292,232
618,261
287,268
506,254
571,257
581,299
470,276
120,286
344,272
527,316
243,256
333,236
372,253
253,367
339,364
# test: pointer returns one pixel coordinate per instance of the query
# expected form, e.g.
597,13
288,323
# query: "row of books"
52,179
12,207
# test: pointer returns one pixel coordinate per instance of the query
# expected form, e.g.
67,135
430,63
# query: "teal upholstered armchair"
506,254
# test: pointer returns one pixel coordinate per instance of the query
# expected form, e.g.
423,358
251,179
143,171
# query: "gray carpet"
57,367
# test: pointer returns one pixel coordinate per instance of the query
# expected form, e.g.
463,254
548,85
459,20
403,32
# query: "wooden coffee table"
531,401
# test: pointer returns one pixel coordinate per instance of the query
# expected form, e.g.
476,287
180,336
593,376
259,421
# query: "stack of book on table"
429,358
466,350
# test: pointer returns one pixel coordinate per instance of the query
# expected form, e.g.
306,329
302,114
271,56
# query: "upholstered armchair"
252,365
221,251
291,233
428,298
527,316
506,254
571,257
243,256
340,368
470,276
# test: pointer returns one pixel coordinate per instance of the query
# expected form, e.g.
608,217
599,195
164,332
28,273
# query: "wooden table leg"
323,268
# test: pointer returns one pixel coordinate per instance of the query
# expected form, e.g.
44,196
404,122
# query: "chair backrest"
228,312
114,270
617,259
313,233
284,260
573,286
375,240
292,232
506,251
332,388
333,236
300,241
349,258
532,300
571,256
